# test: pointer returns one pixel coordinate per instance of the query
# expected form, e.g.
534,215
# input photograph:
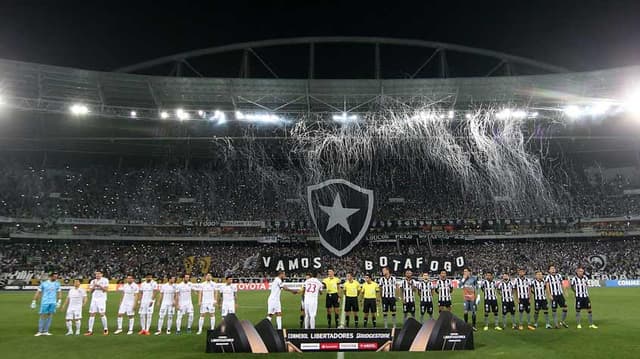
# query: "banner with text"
399,264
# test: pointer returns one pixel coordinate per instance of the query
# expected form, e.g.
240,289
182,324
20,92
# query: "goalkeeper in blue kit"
51,298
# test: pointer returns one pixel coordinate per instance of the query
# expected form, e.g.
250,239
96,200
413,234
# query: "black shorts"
369,306
351,304
541,304
389,305
444,303
558,301
508,307
491,305
583,303
524,305
426,307
409,307
332,301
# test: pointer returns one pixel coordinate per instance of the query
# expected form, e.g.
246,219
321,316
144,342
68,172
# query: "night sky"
104,35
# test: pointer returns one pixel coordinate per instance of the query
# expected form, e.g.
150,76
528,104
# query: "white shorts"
167,309
146,308
274,306
310,308
73,314
228,309
98,306
186,308
127,308
207,308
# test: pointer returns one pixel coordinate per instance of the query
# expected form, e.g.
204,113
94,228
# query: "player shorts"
541,304
73,314
127,308
47,308
227,309
311,308
207,308
491,305
98,306
186,308
369,306
524,305
351,304
409,307
389,304
444,303
274,307
167,309
332,301
508,307
146,308
558,301
469,306
583,303
426,307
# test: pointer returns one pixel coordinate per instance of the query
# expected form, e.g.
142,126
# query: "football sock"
161,322
143,321
535,317
366,321
528,317
520,318
355,320
103,319
329,320
169,321
546,317
69,326
302,321
486,319
78,323
473,318
91,321
47,324
590,315
119,321
179,321
189,320
384,316
131,321
373,321
564,315
312,322
200,323
395,320
578,317
513,319
336,318
41,325
555,317
346,321
466,317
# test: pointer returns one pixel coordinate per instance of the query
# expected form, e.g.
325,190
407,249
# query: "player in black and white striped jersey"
540,299
523,288
408,286
507,288
426,296
388,288
488,287
554,287
580,286
444,287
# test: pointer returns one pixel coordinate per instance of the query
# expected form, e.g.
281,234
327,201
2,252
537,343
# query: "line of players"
369,294
172,297
388,290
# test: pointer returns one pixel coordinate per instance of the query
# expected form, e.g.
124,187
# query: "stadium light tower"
344,118
632,101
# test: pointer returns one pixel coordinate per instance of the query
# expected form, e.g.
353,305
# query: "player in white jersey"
76,299
148,291
228,297
98,287
207,301
128,302
184,303
274,307
167,304
311,288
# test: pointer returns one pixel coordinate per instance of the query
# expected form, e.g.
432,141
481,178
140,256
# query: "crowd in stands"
79,259
158,195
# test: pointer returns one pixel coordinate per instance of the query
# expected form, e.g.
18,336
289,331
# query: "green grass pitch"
615,311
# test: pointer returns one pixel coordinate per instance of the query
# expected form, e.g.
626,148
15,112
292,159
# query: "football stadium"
482,204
